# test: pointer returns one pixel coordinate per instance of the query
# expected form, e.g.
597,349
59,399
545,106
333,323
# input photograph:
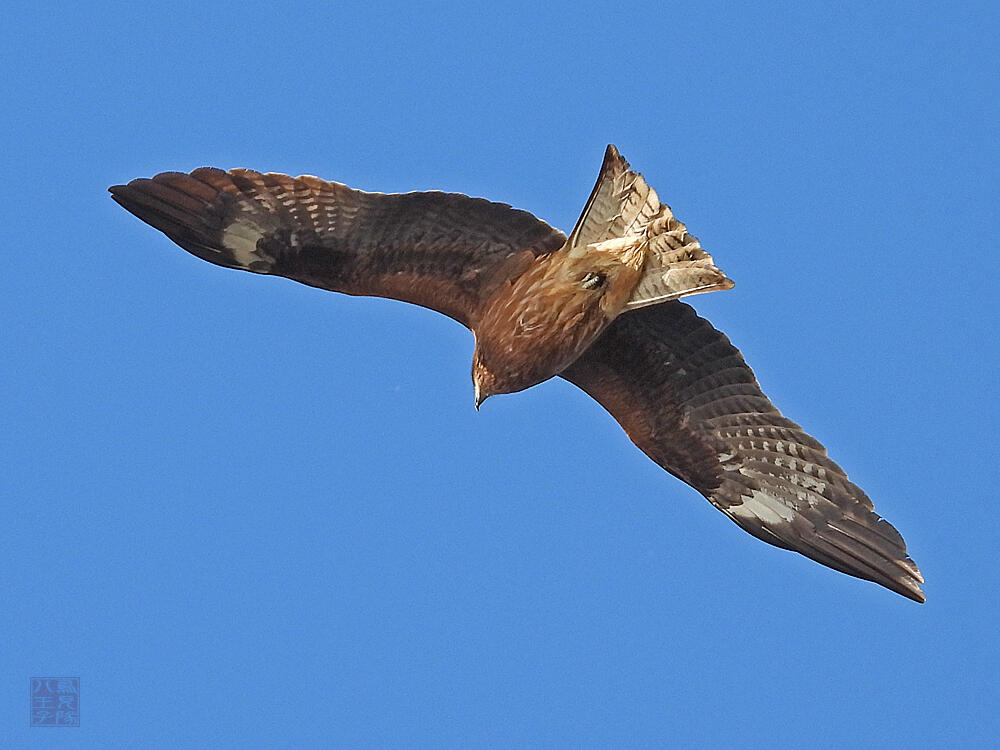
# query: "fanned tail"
623,205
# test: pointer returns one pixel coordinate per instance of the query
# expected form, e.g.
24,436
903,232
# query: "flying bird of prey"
599,308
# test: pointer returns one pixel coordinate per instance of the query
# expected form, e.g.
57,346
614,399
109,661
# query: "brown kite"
599,308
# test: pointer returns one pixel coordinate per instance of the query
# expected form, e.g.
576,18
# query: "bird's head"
484,382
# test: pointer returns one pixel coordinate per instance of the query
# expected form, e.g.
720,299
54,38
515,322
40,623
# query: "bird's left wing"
685,396
439,250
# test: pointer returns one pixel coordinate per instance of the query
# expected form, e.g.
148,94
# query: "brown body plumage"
598,308
538,324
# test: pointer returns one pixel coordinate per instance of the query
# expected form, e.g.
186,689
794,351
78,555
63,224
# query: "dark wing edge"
686,398
444,251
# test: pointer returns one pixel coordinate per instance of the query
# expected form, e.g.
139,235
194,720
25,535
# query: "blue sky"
247,513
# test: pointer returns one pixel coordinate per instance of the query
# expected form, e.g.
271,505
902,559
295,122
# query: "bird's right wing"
444,251
623,205
688,400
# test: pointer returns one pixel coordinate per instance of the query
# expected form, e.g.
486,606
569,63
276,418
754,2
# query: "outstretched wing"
622,205
444,251
686,398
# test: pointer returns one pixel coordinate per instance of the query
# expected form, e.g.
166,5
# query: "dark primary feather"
685,396
444,251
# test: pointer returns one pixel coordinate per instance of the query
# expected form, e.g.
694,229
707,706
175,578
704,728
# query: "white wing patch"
241,242
764,507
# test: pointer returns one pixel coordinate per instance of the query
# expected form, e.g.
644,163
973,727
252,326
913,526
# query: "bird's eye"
593,281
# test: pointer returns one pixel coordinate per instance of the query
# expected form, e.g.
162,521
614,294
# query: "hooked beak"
480,396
